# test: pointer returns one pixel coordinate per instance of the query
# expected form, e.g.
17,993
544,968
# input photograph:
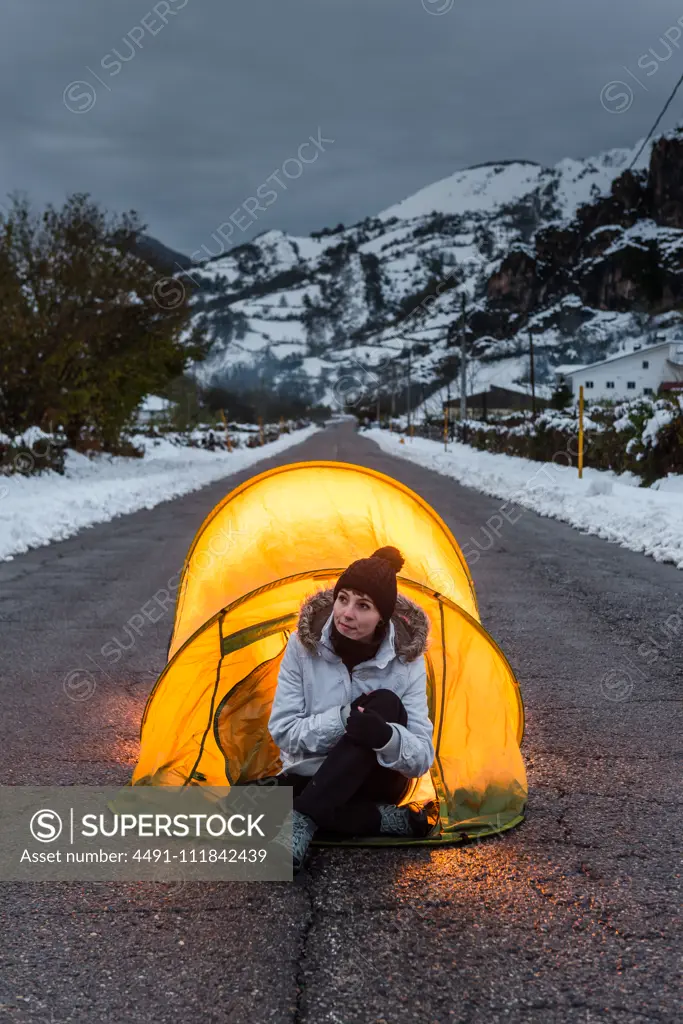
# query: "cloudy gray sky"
181,109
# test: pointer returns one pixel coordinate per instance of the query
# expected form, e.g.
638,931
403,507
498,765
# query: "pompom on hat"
376,577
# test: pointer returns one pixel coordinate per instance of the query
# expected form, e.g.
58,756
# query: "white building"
154,409
629,374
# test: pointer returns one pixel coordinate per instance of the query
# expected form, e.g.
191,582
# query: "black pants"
343,794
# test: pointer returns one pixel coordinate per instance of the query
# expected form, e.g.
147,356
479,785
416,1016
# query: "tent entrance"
240,722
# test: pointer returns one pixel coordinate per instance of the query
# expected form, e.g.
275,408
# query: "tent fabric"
308,516
269,545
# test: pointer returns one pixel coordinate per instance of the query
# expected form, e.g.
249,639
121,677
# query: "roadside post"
228,441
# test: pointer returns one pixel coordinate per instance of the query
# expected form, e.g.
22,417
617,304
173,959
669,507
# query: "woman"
350,708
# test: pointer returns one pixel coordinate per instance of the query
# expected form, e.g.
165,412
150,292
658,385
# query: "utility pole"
393,394
580,431
409,368
463,368
531,374
378,394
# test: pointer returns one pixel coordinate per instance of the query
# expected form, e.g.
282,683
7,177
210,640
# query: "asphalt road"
568,918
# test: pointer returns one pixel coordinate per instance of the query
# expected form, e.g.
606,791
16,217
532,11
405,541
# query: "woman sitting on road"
350,708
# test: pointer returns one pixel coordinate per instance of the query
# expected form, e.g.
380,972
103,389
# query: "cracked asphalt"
571,917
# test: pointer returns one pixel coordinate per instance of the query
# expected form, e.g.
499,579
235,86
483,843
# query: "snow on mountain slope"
479,189
306,315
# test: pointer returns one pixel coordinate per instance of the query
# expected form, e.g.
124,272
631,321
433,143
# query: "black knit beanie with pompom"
376,577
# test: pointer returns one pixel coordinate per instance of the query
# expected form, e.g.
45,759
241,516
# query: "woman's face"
355,614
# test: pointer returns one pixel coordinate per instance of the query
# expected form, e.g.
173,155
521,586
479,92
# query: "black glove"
368,728
348,708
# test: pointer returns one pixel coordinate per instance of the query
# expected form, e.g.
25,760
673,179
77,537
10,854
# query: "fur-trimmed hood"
410,621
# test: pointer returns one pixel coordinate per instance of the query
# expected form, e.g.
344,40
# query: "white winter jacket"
314,689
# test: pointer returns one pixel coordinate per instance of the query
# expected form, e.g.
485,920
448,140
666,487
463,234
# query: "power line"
663,112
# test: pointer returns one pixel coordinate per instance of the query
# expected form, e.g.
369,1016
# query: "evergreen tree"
87,327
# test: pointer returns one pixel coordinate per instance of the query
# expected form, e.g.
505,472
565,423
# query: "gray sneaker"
395,820
302,831
412,819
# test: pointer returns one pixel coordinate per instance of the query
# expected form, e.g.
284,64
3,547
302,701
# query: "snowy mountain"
587,255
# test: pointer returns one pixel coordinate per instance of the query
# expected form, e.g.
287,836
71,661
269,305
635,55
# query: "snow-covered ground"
646,519
37,510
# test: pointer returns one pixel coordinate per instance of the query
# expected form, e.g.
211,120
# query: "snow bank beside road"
37,510
645,519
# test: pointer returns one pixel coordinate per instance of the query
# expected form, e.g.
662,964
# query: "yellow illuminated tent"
269,544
